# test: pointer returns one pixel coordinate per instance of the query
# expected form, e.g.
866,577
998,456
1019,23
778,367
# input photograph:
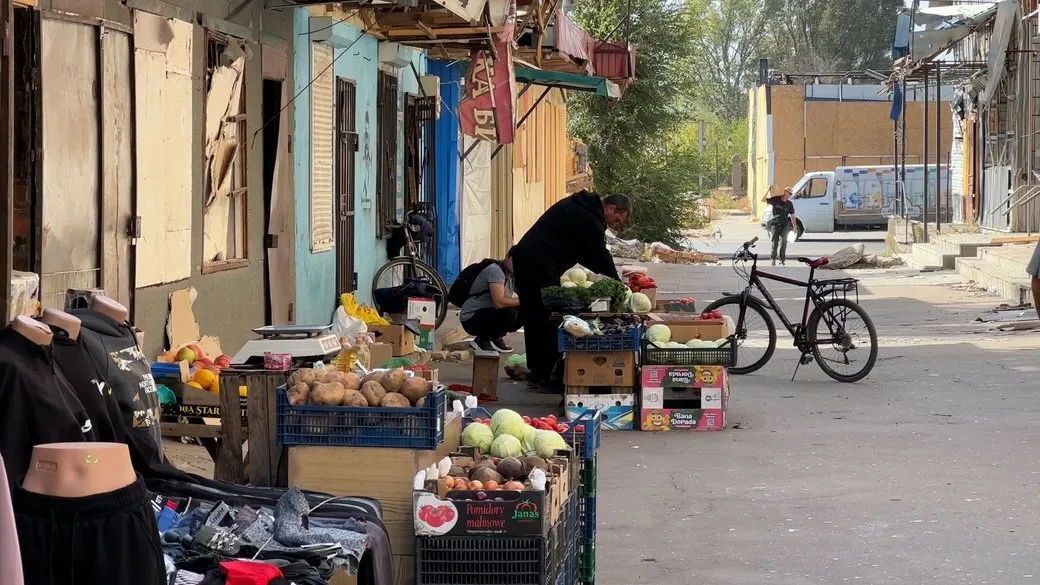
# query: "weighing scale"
306,343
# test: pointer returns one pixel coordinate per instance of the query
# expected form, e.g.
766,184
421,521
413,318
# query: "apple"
186,355
223,361
199,354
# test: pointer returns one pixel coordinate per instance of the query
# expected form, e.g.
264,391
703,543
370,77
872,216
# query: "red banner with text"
488,110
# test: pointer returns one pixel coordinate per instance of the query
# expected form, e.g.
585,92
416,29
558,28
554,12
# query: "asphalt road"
738,228
924,473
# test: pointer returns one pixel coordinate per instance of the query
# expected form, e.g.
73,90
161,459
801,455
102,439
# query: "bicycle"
831,307
411,268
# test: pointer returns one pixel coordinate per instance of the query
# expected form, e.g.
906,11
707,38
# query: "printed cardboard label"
683,376
682,419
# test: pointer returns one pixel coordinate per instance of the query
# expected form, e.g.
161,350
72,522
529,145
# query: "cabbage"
576,275
587,284
527,436
569,284
659,332
720,342
700,344
506,419
640,303
478,435
547,443
507,446
674,345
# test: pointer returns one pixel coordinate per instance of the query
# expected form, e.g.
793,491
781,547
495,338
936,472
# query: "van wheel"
801,230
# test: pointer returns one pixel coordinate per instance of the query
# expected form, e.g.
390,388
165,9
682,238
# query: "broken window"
225,242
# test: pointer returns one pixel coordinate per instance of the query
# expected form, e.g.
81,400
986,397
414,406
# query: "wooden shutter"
322,132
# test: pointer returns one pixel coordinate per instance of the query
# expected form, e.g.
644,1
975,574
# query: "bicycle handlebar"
744,253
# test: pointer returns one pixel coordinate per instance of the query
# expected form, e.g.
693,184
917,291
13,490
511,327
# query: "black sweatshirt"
91,389
572,231
39,405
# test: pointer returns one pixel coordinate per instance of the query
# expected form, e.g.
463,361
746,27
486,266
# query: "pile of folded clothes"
215,533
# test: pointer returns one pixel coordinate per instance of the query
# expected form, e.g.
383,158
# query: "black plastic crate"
725,355
484,560
411,428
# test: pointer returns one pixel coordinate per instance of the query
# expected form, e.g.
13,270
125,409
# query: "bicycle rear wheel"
841,335
755,334
397,270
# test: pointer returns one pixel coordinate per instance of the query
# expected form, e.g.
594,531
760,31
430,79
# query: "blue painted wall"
446,159
356,60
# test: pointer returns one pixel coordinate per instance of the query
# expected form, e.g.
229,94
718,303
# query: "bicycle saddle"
814,262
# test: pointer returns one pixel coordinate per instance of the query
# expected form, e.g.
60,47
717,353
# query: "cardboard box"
613,368
401,338
438,511
616,410
423,312
379,354
684,330
683,398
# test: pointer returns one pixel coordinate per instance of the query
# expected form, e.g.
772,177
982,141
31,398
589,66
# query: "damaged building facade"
255,156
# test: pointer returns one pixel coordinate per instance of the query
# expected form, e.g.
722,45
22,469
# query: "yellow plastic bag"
354,309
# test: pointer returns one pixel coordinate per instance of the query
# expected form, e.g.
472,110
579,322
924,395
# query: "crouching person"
491,310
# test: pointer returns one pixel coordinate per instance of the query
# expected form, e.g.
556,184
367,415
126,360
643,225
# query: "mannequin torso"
76,470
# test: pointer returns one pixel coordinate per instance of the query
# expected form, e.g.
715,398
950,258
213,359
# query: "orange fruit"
195,384
205,378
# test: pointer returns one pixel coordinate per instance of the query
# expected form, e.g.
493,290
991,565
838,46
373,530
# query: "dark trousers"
780,242
540,341
492,323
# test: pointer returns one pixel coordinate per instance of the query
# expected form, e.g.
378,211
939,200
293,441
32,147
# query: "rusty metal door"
346,147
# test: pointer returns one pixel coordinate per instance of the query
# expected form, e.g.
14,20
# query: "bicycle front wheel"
842,329
397,270
755,335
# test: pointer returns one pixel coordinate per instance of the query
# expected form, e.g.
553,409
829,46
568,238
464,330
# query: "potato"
328,393
350,380
394,380
305,375
394,400
415,388
326,375
373,377
421,402
373,392
354,398
298,393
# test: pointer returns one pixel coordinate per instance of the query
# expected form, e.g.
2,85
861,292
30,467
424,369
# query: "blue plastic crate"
347,426
585,444
588,524
628,341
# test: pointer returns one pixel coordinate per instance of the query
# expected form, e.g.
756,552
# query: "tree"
734,31
629,139
818,36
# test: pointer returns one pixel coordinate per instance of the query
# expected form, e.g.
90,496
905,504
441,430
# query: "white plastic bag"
345,326
576,326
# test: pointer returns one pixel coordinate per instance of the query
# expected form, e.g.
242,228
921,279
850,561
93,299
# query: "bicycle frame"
813,295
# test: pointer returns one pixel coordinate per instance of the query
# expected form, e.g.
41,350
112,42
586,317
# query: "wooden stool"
485,373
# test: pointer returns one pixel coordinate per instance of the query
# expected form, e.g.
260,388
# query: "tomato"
527,419
551,418
561,428
579,429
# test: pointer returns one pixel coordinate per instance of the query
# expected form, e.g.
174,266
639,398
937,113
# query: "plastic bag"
367,314
345,326
576,326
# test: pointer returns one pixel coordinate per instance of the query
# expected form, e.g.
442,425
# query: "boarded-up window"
163,54
322,129
226,224
386,181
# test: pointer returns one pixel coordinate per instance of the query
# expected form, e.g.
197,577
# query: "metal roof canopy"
601,86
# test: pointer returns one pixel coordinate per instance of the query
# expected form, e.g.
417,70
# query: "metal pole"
902,175
6,151
924,135
938,147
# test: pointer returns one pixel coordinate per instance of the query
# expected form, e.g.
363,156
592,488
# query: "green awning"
601,86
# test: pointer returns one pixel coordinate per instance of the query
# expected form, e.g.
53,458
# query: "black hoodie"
39,405
570,232
112,347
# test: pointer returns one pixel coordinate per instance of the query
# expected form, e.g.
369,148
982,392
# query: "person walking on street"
572,231
783,223
491,311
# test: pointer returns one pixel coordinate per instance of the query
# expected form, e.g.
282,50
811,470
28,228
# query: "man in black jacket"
570,232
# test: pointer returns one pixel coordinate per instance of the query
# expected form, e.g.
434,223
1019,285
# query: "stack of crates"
587,522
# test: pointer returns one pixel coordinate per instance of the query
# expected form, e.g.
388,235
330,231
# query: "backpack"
459,291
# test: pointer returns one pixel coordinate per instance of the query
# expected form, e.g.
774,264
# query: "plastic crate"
484,560
725,355
588,519
585,444
587,563
409,428
628,341
587,479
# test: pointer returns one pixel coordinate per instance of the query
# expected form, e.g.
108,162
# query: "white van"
861,197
